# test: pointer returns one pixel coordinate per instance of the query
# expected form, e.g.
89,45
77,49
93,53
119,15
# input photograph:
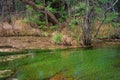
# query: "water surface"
73,64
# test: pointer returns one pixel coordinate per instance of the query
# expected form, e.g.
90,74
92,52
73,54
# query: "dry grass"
106,30
17,28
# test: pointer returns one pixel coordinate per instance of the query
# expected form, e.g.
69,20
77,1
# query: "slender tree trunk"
14,8
46,16
68,9
113,8
2,7
105,15
7,7
34,1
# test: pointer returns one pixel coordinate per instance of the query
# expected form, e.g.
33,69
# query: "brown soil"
9,44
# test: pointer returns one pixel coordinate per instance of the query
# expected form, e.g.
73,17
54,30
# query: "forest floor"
9,44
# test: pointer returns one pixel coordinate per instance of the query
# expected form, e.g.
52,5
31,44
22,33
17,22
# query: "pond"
101,63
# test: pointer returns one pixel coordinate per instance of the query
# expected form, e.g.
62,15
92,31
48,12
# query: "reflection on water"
75,64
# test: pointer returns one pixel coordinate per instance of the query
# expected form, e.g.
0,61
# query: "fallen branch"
51,16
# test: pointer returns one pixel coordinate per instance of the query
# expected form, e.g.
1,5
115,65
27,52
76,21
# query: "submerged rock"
57,77
5,73
12,57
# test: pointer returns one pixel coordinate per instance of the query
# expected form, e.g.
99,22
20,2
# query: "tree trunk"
105,16
68,9
51,17
46,16
86,29
14,8
6,16
7,7
2,7
86,34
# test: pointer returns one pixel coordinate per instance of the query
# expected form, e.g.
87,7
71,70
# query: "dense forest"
85,17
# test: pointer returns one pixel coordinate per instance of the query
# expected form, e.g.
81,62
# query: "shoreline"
15,44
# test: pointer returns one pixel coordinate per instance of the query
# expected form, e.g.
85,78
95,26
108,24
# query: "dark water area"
101,63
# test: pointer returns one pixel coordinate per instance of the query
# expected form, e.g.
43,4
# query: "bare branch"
105,16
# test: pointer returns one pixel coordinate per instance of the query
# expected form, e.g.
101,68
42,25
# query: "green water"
74,64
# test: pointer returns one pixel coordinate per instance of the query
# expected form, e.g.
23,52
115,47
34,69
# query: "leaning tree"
93,11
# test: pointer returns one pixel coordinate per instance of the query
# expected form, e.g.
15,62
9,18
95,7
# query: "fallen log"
51,16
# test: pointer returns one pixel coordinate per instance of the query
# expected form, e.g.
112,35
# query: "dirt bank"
9,44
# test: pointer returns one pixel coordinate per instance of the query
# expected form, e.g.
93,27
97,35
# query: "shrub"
57,38
54,27
73,22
